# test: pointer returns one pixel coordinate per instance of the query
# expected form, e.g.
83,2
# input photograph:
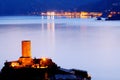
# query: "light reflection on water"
91,48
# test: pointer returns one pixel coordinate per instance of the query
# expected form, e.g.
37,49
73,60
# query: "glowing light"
110,15
44,59
43,66
84,15
13,64
52,13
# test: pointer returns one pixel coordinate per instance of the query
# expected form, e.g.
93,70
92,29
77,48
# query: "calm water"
84,44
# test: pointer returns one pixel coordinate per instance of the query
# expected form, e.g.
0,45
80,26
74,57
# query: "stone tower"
26,58
26,49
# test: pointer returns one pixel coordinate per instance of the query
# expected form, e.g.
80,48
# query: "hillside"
19,7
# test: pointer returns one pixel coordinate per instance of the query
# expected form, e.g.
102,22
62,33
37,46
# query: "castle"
38,69
26,59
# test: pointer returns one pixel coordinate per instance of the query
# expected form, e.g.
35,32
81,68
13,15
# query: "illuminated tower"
26,58
26,49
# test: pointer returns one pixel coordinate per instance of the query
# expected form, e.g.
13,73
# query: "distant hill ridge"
13,7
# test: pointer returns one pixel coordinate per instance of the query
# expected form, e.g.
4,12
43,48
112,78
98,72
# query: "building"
38,69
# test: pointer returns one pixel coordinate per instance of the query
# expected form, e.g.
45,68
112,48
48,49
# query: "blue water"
84,44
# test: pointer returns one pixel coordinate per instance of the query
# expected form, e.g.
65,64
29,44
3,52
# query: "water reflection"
92,48
48,31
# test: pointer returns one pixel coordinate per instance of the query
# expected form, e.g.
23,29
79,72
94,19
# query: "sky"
26,6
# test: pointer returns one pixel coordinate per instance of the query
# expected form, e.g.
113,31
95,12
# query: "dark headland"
28,68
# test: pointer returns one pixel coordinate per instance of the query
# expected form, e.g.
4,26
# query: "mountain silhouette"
14,7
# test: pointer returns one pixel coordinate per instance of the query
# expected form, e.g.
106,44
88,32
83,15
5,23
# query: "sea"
84,44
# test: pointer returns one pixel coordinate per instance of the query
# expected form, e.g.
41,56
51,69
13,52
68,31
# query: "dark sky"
25,6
